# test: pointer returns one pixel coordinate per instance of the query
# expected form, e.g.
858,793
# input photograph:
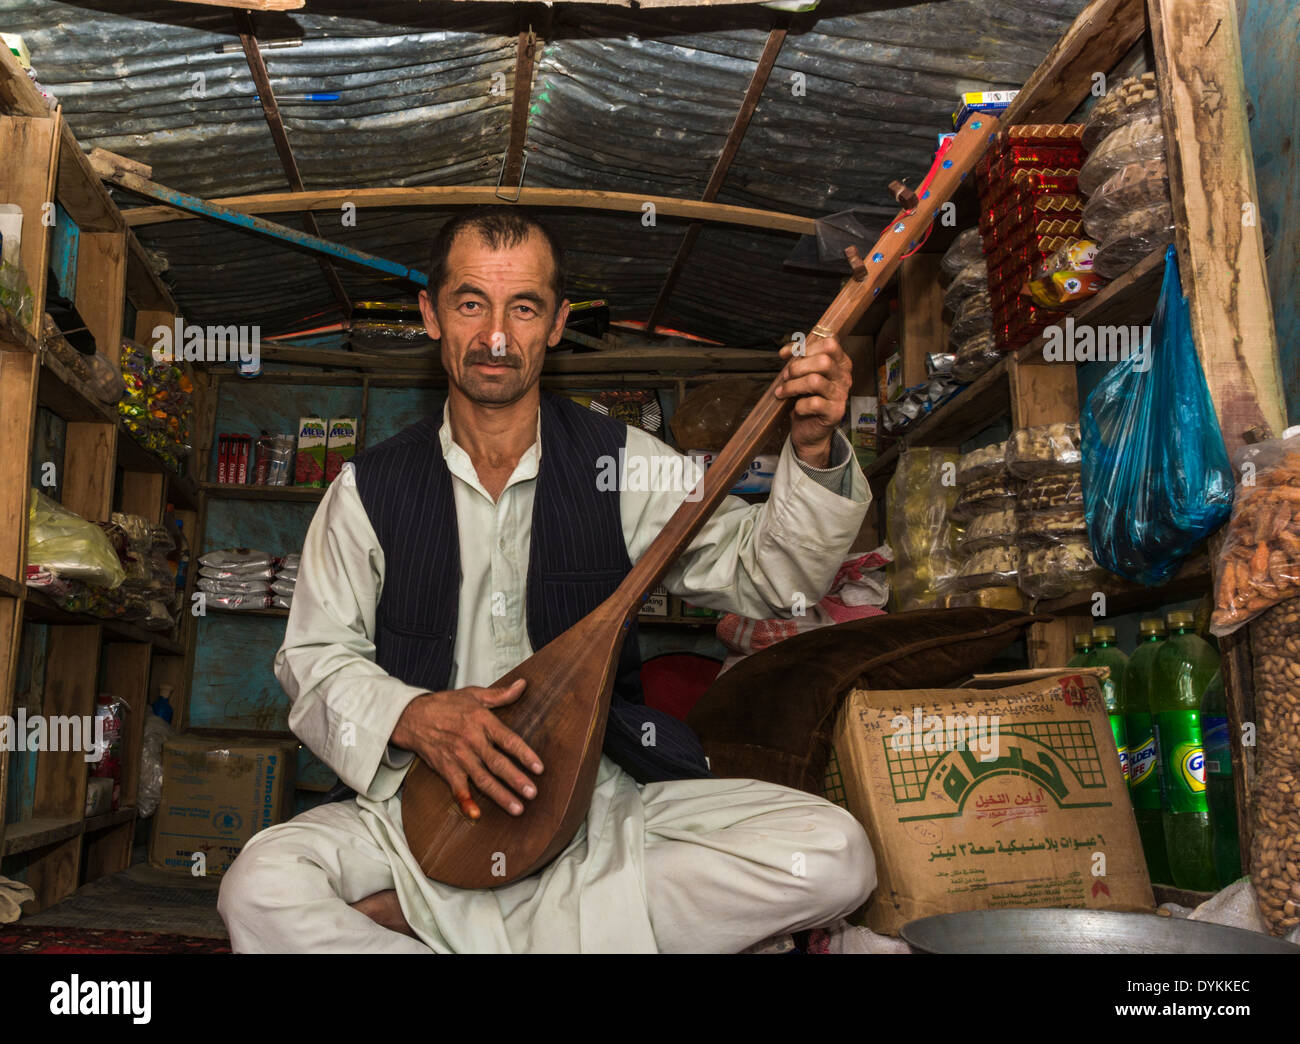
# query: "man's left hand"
821,379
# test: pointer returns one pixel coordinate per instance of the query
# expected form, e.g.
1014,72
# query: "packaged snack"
1052,527
1043,450
966,249
340,445
994,528
1067,277
1054,570
309,468
974,314
975,357
982,463
991,567
995,492
291,561
239,601
283,586
973,277
234,587
282,602
1133,98
1135,142
236,560
1134,186
1060,492
1133,236
923,540
110,716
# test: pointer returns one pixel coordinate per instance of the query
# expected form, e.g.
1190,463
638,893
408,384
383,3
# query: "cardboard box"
340,445
309,465
987,798
216,794
889,378
656,603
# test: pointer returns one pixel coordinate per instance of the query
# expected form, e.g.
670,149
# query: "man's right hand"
459,737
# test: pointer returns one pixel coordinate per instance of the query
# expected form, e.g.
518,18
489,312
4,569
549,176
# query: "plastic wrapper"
68,546
282,602
1134,142
239,601
966,249
989,494
916,402
709,414
973,315
1260,556
987,598
233,587
1134,186
992,567
105,379
291,561
1053,527
1133,98
1043,450
1054,570
971,279
995,528
920,534
156,733
939,364
1066,277
1133,237
1156,476
236,560
283,587
1062,491
982,463
975,357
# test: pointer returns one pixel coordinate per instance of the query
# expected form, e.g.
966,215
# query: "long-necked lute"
562,711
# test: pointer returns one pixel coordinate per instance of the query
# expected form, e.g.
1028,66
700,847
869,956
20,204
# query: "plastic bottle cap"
164,692
1082,641
1103,634
1180,618
1152,625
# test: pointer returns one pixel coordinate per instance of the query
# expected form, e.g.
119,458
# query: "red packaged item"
223,458
109,723
245,449
262,469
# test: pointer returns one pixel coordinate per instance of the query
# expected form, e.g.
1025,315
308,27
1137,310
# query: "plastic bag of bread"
1043,449
994,528
975,313
975,357
1062,491
1260,558
1134,186
1135,142
1053,570
992,567
973,277
1134,236
924,541
966,249
982,463
975,498
1133,98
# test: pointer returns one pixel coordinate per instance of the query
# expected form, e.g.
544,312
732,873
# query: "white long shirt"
749,559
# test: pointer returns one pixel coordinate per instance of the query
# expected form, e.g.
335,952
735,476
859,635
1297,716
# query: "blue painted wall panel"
248,407
234,687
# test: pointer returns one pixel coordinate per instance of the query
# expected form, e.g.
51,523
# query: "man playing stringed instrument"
441,559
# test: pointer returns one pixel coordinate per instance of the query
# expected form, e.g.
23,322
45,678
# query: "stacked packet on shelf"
286,578
985,506
237,578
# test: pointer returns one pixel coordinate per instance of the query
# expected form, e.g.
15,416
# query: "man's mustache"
484,356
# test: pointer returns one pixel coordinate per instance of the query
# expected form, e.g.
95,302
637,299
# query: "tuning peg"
855,262
903,196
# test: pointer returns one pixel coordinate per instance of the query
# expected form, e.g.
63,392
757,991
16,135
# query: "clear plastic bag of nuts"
1275,845
1275,652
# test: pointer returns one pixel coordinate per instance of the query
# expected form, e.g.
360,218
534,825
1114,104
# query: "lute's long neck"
900,237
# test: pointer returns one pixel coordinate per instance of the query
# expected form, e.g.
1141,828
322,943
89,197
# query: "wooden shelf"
13,337
233,491
280,613
12,588
1170,894
42,608
109,819
1191,581
680,621
37,833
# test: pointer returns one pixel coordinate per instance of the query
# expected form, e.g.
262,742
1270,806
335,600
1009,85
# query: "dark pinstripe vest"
577,558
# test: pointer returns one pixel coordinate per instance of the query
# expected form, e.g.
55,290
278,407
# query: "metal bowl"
1080,931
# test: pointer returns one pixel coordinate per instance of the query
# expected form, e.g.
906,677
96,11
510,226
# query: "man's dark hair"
498,227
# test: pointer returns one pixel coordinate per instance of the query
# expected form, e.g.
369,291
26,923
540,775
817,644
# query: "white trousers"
691,866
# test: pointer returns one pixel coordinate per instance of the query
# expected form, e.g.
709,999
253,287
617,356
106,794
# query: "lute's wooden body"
562,711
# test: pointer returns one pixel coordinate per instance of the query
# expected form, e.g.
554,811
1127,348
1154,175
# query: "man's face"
496,315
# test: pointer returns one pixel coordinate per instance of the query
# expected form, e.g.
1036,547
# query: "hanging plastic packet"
1156,476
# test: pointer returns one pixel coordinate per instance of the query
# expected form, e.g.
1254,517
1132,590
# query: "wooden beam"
758,81
478,195
271,110
920,309
1216,210
1102,34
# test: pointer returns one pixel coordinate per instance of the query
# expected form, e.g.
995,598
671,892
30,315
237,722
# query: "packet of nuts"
1259,564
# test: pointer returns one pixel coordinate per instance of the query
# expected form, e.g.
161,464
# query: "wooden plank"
147,321
1122,597
521,96
88,469
1102,34
234,491
478,195
10,643
18,95
731,146
80,191
1212,180
70,675
53,876
18,380
41,607
922,329
143,285
970,412
28,146
109,850
203,431
67,395
1239,689
38,832
101,289
126,677
142,494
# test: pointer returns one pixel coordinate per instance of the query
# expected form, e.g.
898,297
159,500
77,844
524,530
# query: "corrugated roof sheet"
624,100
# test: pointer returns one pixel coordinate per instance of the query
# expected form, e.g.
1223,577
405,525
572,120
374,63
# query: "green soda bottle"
1183,669
1220,794
1082,646
1143,773
1106,654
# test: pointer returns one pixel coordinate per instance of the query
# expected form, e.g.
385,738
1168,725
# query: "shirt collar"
460,465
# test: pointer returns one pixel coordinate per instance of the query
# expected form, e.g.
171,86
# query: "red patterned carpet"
20,938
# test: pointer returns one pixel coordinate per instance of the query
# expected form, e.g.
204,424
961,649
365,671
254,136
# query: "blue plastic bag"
1156,475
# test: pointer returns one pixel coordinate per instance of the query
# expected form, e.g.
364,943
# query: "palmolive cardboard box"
216,794
1008,794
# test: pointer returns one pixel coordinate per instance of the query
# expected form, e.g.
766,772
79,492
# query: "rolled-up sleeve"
344,706
757,560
